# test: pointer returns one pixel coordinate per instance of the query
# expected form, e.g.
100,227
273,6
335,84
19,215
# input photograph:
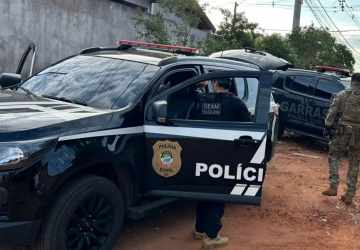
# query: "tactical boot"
347,199
330,192
215,243
199,236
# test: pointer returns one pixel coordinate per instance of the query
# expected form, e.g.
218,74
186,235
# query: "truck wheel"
87,214
281,130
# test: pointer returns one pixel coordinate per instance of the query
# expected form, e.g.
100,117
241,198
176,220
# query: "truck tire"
87,214
281,130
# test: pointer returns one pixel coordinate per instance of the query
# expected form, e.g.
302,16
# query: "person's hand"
0,87
204,83
327,133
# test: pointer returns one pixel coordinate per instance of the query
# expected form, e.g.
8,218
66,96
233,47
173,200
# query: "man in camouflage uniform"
346,106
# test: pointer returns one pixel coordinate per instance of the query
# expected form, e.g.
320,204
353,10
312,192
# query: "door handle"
246,140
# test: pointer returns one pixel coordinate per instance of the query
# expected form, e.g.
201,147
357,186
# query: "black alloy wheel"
86,214
90,225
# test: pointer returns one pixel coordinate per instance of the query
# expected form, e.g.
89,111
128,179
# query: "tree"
343,58
209,46
238,31
233,33
183,15
278,46
316,46
189,12
151,29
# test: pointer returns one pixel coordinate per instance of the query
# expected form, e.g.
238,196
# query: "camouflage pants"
338,146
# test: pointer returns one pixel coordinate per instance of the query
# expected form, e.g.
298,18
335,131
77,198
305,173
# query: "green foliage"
278,46
189,12
305,47
152,29
238,31
209,46
316,46
343,58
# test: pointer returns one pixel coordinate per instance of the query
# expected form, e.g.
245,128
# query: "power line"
338,29
327,30
322,20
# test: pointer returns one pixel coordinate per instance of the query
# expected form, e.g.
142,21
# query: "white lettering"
227,175
301,109
284,106
292,108
325,111
200,167
238,173
246,174
317,113
260,175
219,172
309,110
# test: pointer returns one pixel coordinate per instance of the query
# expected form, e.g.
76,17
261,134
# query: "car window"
97,81
288,81
301,84
240,87
325,88
346,83
189,102
253,86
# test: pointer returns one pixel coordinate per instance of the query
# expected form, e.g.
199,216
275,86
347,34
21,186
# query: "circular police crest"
167,160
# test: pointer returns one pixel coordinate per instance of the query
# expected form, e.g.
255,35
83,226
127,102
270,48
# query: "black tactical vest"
214,107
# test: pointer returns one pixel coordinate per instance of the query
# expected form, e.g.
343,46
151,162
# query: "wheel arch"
109,170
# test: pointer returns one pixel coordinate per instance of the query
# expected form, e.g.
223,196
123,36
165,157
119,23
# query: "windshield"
99,82
346,83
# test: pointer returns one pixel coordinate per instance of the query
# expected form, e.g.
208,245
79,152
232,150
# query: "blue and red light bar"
159,46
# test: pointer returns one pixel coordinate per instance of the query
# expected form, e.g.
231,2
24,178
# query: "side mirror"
333,96
159,109
9,79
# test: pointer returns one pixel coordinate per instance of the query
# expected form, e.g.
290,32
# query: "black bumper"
20,233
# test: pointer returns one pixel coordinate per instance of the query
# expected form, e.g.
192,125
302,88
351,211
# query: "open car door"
206,160
30,48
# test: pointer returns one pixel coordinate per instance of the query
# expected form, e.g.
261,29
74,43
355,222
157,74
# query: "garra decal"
166,160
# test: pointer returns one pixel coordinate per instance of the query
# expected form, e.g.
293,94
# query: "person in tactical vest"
345,107
218,106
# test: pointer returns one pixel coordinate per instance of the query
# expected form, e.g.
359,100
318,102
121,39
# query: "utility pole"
297,14
236,5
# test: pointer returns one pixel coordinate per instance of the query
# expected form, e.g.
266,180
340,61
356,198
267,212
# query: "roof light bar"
332,69
180,50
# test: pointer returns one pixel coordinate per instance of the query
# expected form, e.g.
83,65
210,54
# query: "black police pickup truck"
304,96
94,137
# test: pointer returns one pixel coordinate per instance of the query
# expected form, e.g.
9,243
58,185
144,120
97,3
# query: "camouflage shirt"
337,107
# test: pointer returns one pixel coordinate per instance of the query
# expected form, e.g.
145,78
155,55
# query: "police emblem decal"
167,160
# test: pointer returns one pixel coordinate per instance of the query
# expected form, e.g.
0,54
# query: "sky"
279,18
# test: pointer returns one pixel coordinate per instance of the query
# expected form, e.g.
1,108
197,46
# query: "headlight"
19,154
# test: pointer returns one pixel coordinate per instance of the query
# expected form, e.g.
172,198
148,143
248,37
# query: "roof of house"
206,24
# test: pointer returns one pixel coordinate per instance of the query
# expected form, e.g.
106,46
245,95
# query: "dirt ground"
293,215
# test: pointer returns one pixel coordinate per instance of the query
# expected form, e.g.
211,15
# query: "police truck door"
200,159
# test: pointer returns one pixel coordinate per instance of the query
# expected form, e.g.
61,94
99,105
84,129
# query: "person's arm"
334,109
242,111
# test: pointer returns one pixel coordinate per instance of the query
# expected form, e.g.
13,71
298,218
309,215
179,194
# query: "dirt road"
293,215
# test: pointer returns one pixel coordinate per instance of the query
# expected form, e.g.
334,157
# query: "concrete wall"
146,4
61,28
